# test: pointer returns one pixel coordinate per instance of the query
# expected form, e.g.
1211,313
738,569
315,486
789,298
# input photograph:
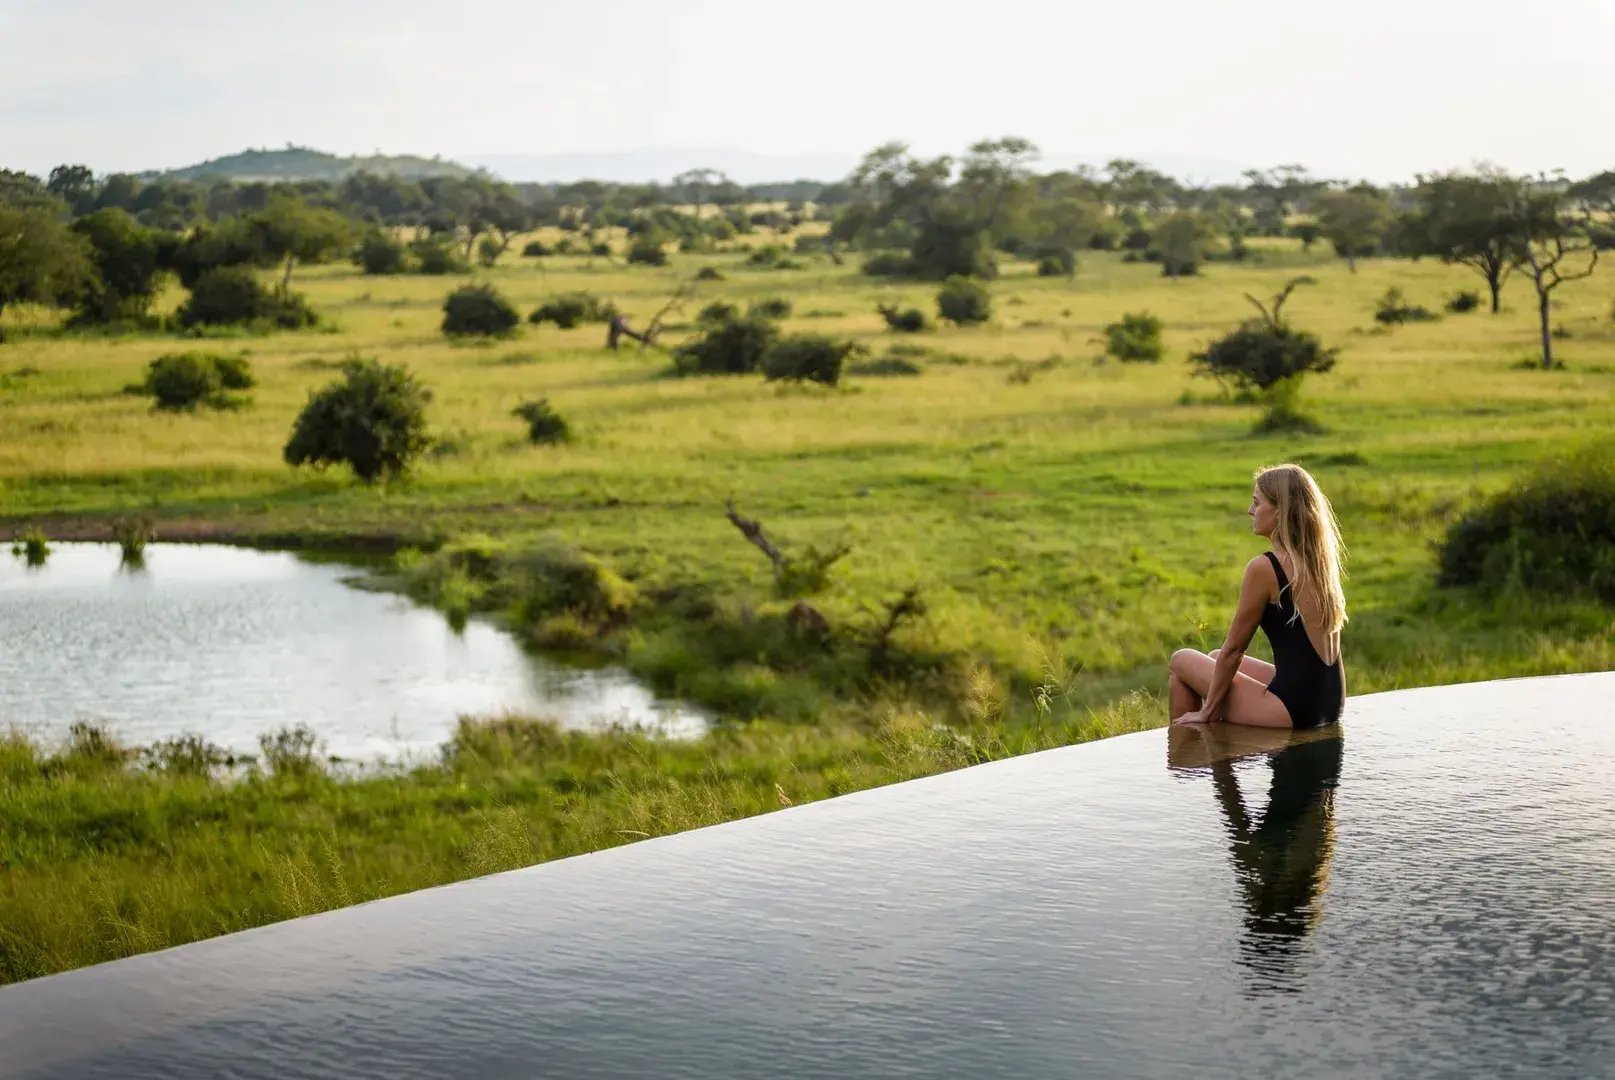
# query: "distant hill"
302,163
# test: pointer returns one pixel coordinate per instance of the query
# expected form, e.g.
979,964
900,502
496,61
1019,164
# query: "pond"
1425,892
230,643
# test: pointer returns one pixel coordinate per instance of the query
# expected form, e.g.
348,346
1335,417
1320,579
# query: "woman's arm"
1254,591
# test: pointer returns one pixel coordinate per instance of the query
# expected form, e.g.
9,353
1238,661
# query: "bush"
232,296
1464,301
544,424
186,380
478,309
889,264
808,358
435,256
719,311
567,310
380,254
963,300
731,347
535,249
908,321
883,366
773,307
372,419
646,251
603,250
488,251
290,751
708,273
1553,532
556,578
1260,354
1393,309
808,245
32,546
1137,337
1137,239
1057,264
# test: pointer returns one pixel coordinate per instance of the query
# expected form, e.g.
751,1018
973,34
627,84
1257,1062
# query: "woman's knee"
1181,659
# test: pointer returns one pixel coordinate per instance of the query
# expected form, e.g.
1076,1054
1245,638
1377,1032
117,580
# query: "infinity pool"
1431,893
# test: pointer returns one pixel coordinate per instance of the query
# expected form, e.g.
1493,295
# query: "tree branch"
753,531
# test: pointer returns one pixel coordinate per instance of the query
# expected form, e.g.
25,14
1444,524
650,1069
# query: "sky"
1372,89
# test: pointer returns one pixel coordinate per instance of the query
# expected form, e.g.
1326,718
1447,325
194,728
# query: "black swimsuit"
1313,692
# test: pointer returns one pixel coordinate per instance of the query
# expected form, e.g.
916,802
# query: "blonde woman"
1293,593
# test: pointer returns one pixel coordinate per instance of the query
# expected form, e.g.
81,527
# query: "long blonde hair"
1307,530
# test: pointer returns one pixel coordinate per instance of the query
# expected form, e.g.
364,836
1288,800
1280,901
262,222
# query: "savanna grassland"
1067,522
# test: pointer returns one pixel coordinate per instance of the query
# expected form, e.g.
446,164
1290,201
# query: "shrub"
535,249
567,310
489,250
963,300
730,347
544,424
186,755
908,321
290,751
32,546
478,309
231,295
372,419
436,256
646,251
1464,301
889,264
556,578
773,307
719,311
186,380
1553,531
132,534
807,358
1137,337
1260,354
603,250
1061,263
380,254
708,273
1393,309
1137,239
808,245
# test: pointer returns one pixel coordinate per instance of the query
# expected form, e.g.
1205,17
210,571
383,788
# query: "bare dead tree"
1274,316
753,531
618,328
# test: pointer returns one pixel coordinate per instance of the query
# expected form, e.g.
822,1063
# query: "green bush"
709,273
232,296
32,546
1062,263
556,578
186,380
488,251
645,251
380,254
731,347
372,419
1260,354
535,249
772,307
437,256
1393,309
889,264
907,321
807,358
478,310
719,311
1552,532
963,300
568,310
544,424
1465,300
290,751
1137,337
884,366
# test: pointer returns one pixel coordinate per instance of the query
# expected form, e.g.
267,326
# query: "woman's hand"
1199,716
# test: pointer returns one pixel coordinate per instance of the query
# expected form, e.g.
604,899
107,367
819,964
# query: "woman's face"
1263,514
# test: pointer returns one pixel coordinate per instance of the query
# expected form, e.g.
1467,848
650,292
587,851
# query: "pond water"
1427,891
230,643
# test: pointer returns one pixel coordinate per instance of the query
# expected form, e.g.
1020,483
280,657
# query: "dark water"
1432,894
230,643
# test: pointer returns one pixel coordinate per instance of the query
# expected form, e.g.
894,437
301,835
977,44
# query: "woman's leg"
1248,701
1181,698
1260,670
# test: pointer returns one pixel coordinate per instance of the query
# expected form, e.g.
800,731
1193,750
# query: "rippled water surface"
231,643
1429,893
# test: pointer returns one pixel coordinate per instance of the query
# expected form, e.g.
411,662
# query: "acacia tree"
1354,220
1554,244
698,182
292,230
1466,220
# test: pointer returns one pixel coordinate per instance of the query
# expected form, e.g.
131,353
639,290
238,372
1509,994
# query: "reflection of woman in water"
1293,593
1281,858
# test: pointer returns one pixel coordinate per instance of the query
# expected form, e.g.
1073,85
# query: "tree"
697,182
1181,242
297,232
1465,219
22,189
1555,246
373,419
1354,221
74,185
128,265
41,260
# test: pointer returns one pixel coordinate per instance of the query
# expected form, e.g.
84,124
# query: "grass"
1054,511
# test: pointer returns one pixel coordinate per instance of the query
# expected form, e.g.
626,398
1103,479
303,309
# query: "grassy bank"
1053,513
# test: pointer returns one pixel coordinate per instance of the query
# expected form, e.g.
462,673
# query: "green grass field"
1068,522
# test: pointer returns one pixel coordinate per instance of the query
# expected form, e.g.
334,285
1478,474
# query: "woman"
1293,593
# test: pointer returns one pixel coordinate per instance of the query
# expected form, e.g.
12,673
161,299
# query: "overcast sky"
1371,88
